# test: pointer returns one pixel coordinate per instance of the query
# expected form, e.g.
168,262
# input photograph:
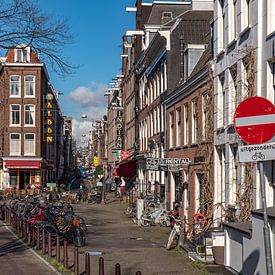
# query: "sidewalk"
17,258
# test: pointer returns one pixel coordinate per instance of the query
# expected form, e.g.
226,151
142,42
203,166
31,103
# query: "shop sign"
119,124
172,164
49,118
124,155
96,161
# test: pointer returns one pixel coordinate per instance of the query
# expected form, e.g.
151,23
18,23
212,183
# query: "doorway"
24,179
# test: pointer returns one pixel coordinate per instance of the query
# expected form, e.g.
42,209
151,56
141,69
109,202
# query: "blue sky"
97,27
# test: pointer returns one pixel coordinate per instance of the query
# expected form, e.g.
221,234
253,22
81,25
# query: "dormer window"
167,15
22,55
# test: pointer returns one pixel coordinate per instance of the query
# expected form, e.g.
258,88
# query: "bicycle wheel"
79,237
171,239
83,225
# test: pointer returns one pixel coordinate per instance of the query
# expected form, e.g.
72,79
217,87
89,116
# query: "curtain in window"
29,144
15,144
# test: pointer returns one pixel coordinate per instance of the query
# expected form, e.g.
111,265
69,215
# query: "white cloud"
91,102
84,126
91,96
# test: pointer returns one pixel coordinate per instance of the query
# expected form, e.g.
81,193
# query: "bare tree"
23,22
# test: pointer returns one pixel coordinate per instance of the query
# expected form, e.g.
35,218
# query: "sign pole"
269,268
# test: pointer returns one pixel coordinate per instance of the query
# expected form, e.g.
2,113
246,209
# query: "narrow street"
111,232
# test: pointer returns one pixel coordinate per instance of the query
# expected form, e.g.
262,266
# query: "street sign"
155,163
254,120
259,152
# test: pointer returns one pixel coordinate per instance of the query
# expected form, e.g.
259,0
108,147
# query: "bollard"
49,245
38,236
43,241
29,233
9,215
57,248
87,264
138,273
25,231
33,235
101,266
76,261
118,271
65,254
6,214
21,228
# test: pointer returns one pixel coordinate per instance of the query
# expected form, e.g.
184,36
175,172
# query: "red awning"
115,174
127,169
23,164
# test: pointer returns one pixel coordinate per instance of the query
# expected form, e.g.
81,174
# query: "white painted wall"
226,56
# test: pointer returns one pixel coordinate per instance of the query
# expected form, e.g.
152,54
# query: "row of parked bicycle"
58,218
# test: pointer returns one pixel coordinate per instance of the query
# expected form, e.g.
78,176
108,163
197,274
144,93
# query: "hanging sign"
49,118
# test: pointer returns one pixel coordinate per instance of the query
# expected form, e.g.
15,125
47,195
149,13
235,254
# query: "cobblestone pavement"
16,258
111,232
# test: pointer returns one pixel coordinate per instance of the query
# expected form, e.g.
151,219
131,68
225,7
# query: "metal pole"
76,261
118,270
65,254
87,264
101,266
268,255
57,249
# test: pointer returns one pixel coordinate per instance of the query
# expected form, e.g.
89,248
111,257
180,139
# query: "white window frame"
246,11
222,108
205,108
19,86
29,125
195,121
186,125
18,124
221,25
234,20
171,124
25,82
19,55
25,143
19,151
166,13
178,127
270,16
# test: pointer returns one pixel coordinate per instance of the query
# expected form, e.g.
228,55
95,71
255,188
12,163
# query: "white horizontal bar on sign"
254,120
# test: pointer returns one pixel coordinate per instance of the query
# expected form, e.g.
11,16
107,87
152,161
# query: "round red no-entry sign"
254,120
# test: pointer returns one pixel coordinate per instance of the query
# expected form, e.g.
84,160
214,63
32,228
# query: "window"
167,14
15,115
29,86
29,115
186,67
186,132
270,16
194,121
14,86
171,130
222,101
221,25
21,55
246,13
234,89
15,148
178,129
29,145
234,19
205,102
